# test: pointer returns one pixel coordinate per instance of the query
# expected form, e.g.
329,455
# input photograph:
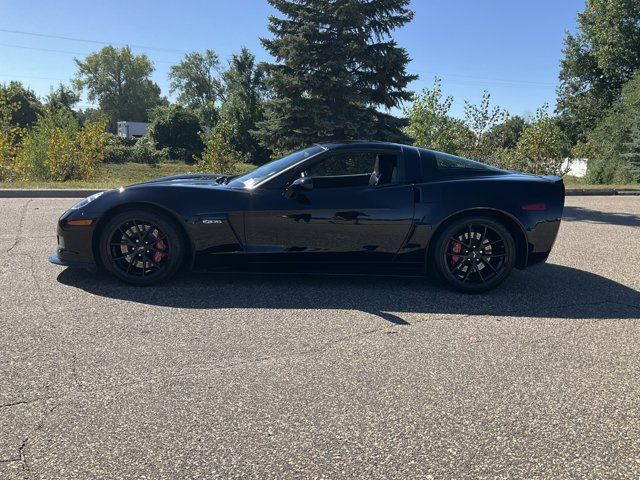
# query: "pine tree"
242,106
336,66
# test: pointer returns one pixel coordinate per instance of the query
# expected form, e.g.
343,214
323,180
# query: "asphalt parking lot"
278,377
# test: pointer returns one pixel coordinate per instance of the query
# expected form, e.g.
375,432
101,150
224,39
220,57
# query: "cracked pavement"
240,376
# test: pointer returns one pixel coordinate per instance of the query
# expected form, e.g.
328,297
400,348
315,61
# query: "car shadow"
579,214
546,291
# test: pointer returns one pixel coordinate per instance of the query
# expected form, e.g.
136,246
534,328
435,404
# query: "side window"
343,164
444,160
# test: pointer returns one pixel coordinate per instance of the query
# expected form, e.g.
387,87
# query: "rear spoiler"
552,178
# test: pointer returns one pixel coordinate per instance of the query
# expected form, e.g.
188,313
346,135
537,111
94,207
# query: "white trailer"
132,129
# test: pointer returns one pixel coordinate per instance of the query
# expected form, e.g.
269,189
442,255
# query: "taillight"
534,207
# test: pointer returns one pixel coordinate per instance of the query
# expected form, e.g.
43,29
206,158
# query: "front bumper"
56,259
75,244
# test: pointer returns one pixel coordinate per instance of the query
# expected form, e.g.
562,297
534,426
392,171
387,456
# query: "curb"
590,192
85,192
46,193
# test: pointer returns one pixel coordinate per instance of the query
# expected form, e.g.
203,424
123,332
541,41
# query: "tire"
141,247
474,254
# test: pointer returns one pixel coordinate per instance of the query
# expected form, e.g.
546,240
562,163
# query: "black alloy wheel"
141,247
475,254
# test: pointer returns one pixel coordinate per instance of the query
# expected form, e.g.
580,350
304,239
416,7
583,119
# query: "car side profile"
354,207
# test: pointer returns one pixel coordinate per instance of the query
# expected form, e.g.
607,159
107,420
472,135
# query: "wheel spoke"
125,234
489,264
494,242
497,255
151,227
484,235
460,242
138,229
460,264
123,244
130,265
480,274
468,273
114,259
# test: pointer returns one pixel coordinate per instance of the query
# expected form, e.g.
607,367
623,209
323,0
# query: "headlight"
86,201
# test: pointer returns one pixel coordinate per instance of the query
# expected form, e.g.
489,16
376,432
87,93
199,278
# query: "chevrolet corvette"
352,207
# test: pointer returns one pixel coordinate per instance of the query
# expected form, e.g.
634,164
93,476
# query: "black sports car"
365,207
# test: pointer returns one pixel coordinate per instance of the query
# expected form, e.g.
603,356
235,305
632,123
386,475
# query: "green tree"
607,143
62,97
631,151
481,119
120,82
336,66
197,81
505,135
598,60
542,146
243,107
178,129
430,124
26,105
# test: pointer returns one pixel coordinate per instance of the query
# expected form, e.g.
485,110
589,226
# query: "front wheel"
141,247
474,254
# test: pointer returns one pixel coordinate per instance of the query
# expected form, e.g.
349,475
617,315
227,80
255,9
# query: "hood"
186,179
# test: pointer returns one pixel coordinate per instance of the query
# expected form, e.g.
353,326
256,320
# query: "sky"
510,48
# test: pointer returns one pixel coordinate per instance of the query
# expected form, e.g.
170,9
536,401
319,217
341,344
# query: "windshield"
254,177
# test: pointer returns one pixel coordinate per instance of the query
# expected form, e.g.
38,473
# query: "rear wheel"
475,254
141,247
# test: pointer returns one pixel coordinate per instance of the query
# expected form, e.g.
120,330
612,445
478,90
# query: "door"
358,209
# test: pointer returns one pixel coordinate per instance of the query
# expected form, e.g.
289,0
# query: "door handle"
417,194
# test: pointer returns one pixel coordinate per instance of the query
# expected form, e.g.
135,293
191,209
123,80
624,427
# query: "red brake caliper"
158,257
457,248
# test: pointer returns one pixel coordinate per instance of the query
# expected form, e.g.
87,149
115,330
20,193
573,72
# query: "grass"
575,182
114,175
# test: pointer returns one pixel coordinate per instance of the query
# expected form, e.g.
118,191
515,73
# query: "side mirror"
299,185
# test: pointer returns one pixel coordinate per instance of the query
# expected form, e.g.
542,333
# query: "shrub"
91,141
145,151
218,155
120,150
46,138
10,140
542,146
56,148
142,150
117,150
177,129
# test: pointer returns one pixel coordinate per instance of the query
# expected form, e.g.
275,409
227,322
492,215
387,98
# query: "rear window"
446,161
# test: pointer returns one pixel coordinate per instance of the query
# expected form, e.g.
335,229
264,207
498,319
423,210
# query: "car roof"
356,144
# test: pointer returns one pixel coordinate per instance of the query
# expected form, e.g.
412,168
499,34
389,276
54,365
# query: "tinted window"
444,160
264,172
343,164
